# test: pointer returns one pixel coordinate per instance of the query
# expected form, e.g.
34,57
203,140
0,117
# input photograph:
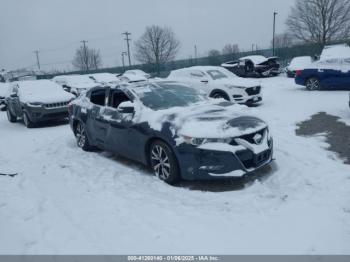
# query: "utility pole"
123,61
127,39
274,31
37,58
86,60
195,54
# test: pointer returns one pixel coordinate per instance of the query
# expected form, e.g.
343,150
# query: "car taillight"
298,72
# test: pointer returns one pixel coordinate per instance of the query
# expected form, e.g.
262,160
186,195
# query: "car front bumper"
40,114
203,164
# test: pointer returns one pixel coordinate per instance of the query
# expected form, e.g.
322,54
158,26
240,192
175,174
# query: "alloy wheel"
313,84
160,162
80,135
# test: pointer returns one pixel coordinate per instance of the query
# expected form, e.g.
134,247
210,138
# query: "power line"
127,39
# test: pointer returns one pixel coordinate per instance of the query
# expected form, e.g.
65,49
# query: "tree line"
309,22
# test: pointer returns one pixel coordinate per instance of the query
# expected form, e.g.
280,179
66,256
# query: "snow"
75,81
341,51
300,63
256,59
105,78
44,91
66,201
4,89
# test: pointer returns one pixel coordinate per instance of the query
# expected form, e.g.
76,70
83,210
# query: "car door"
199,78
96,125
120,135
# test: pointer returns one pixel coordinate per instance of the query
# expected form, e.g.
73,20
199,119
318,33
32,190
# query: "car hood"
46,98
216,119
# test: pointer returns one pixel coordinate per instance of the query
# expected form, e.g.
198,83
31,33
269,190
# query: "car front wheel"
81,137
27,122
163,162
218,95
11,118
313,84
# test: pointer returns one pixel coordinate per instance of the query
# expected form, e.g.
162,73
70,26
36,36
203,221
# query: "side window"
117,97
196,74
98,97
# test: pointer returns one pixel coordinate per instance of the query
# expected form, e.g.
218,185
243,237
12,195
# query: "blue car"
326,74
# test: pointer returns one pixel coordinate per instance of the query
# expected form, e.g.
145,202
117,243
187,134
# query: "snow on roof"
335,52
104,77
300,62
79,81
256,59
42,91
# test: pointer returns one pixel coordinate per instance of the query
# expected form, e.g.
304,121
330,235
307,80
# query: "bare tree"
320,21
230,49
214,57
86,59
283,40
158,45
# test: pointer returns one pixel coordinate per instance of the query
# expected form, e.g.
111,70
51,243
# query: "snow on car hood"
299,63
48,97
213,119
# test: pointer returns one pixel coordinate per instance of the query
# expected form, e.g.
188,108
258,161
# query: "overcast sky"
55,27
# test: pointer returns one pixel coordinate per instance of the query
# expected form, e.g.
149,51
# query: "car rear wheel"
218,95
26,121
163,162
11,118
313,84
81,137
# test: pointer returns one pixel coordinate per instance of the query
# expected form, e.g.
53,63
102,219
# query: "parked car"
180,134
105,78
75,84
218,82
37,101
136,75
332,71
3,93
254,66
297,64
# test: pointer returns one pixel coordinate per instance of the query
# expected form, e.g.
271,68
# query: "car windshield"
165,95
216,74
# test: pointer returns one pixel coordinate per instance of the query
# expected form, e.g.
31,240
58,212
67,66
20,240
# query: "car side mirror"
126,107
205,81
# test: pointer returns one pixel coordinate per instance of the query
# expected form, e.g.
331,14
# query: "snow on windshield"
167,94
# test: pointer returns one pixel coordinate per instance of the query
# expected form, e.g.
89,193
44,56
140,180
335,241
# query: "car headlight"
35,104
200,141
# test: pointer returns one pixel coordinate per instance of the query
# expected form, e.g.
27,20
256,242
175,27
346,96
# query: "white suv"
218,82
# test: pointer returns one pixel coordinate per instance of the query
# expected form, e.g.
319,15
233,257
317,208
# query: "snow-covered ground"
65,201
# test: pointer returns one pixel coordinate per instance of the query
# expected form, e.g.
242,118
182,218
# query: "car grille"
250,137
253,90
56,105
251,161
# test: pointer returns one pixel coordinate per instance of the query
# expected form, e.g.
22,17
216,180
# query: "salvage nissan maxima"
173,128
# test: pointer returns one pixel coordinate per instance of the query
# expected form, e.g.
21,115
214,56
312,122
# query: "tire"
26,120
218,94
313,84
164,163
11,118
81,137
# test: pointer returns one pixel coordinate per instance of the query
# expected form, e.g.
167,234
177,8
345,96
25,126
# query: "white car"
298,63
104,78
75,84
136,75
218,82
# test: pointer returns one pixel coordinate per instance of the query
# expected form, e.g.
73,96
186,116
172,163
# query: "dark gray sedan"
174,129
